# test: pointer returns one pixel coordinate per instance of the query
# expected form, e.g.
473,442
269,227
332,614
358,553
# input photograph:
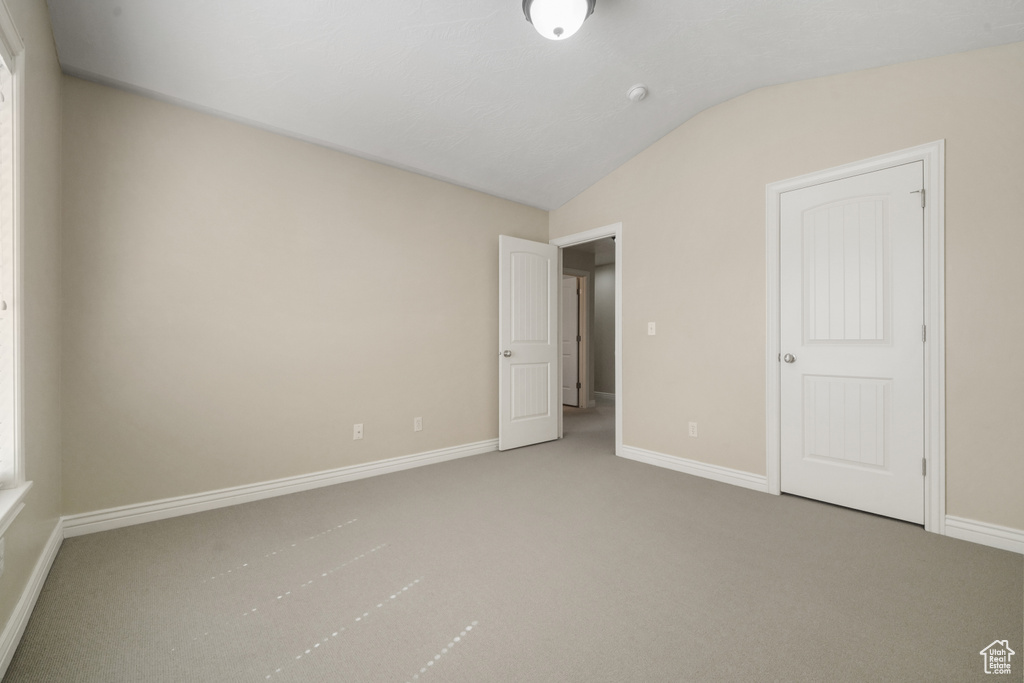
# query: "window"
10,470
13,486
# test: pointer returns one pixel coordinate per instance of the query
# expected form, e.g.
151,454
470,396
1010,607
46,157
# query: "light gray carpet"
558,562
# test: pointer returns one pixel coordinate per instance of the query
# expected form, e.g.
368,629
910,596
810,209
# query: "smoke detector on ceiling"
637,92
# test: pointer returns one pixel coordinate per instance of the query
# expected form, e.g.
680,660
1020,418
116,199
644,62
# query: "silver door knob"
789,358
506,353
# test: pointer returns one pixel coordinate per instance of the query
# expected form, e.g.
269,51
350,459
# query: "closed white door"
570,341
852,313
529,340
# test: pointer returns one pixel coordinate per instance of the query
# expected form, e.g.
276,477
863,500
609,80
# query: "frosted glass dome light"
557,19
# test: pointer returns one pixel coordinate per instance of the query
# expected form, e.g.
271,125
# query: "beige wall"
692,208
40,302
604,328
236,300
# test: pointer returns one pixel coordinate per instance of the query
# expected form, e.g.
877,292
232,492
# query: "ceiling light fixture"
557,19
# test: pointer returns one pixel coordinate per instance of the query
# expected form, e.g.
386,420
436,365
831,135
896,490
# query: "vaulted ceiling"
467,91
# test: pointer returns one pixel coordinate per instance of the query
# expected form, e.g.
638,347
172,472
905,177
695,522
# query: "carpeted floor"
557,562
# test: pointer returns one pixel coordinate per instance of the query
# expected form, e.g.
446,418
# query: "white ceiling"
467,91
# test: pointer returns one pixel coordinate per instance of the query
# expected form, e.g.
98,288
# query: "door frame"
583,347
933,156
613,230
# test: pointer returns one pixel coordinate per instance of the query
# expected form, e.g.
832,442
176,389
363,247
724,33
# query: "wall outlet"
417,424
357,431
650,329
693,429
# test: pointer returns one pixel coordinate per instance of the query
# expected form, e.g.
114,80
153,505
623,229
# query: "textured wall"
693,213
236,300
40,302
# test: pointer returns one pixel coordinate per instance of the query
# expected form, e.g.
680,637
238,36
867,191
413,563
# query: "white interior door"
851,317
570,340
529,341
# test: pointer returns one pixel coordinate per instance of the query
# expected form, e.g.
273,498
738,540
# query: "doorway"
595,256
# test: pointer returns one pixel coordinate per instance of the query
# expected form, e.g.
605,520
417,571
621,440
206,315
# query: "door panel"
529,342
570,343
530,390
852,310
845,418
529,298
845,272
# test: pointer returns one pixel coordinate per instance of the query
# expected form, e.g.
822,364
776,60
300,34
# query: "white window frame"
12,52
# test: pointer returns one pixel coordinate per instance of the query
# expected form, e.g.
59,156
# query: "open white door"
529,338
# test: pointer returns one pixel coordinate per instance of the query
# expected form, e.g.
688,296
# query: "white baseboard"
992,535
726,475
1002,537
115,518
604,394
23,610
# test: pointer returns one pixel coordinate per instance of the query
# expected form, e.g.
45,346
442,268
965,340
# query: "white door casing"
614,231
529,341
570,340
932,155
851,293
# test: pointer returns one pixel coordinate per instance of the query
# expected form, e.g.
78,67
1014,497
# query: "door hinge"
924,467
924,333
578,338
578,385
922,195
